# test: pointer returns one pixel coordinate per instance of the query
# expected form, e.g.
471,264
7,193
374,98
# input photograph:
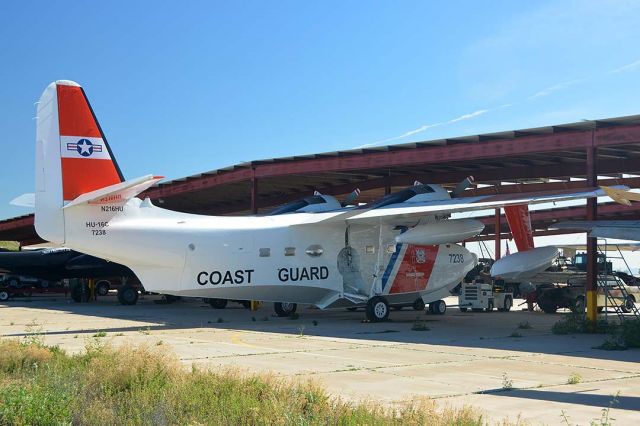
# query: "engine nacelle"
441,232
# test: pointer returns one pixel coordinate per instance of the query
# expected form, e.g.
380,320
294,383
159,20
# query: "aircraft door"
350,266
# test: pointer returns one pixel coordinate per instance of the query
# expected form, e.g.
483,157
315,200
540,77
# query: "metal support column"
498,253
592,256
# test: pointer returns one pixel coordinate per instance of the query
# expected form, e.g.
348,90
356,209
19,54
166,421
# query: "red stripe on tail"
76,118
80,175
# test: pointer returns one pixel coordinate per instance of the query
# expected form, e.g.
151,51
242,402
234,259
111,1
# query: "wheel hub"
380,309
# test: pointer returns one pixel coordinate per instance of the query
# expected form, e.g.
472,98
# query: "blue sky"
185,87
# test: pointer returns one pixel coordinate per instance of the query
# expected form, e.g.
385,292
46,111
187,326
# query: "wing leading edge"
395,212
620,229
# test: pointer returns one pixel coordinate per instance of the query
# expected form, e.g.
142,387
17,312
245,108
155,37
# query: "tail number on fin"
97,227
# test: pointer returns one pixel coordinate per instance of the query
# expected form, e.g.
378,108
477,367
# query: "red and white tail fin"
72,155
519,221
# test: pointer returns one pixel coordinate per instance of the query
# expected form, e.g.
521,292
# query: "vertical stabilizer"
72,156
519,221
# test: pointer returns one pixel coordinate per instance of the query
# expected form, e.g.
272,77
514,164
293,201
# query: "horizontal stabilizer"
118,193
24,200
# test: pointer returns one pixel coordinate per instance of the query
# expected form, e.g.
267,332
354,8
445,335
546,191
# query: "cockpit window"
297,205
398,197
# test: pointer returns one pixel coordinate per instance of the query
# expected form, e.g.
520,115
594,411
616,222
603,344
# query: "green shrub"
630,332
570,324
147,385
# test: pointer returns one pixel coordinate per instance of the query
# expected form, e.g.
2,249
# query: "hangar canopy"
539,159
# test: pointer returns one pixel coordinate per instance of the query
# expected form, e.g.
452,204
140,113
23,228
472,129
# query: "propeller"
462,186
353,196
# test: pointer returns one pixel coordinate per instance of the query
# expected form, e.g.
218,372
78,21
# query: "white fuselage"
271,258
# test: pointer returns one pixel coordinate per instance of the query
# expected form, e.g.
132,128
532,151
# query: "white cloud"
422,128
626,68
468,116
555,88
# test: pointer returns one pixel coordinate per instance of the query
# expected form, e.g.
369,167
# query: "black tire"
490,306
377,309
477,309
80,292
418,304
577,306
439,307
463,309
628,305
102,288
284,309
547,305
127,295
218,303
4,295
508,303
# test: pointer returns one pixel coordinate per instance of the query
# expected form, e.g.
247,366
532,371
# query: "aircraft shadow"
581,398
498,330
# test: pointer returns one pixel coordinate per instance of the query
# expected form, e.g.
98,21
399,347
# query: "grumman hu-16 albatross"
394,250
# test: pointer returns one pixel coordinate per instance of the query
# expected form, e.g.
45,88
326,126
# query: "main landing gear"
377,309
285,309
439,307
127,295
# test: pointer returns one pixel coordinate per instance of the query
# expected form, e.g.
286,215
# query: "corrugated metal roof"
504,135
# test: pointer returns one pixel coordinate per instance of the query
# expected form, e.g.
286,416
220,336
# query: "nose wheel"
377,309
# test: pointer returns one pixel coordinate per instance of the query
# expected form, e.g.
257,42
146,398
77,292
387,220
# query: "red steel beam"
572,140
19,222
424,155
497,234
487,175
616,135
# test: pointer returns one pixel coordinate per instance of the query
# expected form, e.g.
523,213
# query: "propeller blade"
353,196
462,186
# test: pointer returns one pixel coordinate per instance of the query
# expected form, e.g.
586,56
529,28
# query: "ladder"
615,292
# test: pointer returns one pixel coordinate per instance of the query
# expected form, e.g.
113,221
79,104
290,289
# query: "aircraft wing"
406,212
620,229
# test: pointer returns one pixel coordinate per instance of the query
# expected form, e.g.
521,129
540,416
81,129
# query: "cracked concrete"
463,359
